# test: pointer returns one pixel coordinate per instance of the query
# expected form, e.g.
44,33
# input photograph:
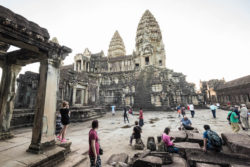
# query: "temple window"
147,60
160,63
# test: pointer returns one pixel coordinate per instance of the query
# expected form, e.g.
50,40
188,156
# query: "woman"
94,154
168,143
141,122
65,114
125,115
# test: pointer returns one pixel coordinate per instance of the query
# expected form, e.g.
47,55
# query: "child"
65,115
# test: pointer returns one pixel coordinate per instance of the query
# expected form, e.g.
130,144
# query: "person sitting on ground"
136,133
211,140
168,143
186,123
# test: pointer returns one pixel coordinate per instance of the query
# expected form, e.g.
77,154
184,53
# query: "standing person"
130,111
179,110
113,110
234,120
213,109
236,110
211,140
191,107
65,115
168,143
136,133
244,116
141,122
125,115
183,112
94,147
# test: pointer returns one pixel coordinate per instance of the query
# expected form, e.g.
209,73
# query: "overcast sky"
203,39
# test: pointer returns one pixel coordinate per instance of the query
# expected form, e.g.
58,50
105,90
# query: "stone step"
73,159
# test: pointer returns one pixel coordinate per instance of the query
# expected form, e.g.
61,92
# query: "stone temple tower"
149,46
116,46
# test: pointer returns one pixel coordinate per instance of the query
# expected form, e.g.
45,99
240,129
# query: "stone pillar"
86,96
7,95
43,133
74,96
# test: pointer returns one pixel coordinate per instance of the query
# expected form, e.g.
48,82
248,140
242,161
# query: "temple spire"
116,46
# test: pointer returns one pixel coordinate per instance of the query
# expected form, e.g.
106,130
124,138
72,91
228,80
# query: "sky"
203,39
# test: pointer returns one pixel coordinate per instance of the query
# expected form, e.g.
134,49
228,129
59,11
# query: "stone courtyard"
114,136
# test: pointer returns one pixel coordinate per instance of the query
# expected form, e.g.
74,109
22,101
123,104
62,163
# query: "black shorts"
65,122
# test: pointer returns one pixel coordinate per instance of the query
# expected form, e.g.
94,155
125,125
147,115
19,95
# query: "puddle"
126,126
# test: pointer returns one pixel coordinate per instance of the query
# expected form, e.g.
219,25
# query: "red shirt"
140,114
93,136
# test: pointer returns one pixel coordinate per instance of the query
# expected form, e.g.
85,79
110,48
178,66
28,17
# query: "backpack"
229,115
214,138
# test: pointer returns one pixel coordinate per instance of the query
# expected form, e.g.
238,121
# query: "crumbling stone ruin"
137,80
235,152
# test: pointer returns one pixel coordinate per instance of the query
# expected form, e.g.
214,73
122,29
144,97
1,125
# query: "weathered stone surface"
195,138
151,144
206,165
180,136
139,145
183,146
177,162
238,143
219,158
161,147
123,157
148,161
235,165
119,164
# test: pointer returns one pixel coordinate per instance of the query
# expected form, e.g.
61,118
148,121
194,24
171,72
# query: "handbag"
100,151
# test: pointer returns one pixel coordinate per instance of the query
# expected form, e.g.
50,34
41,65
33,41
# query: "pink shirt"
93,136
166,140
140,114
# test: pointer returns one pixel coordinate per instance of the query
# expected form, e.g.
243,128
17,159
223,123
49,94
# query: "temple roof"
116,46
148,29
234,83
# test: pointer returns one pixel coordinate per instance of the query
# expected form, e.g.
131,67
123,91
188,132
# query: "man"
191,107
234,120
141,122
236,110
211,140
113,110
125,115
136,133
186,123
244,116
213,109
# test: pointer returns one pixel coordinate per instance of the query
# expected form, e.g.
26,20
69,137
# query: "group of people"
181,110
238,117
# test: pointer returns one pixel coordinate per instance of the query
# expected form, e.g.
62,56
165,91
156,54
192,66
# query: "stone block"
237,143
139,145
177,162
148,161
180,136
206,165
161,147
195,138
151,143
123,157
216,158
236,165
183,146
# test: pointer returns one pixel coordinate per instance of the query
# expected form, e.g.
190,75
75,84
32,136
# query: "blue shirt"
205,136
186,122
113,108
213,107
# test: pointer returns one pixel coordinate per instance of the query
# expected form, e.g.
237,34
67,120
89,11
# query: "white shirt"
191,107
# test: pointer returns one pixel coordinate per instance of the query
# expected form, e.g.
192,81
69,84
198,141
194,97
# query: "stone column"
74,96
43,133
7,95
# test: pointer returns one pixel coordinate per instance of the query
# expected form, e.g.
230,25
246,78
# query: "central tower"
149,46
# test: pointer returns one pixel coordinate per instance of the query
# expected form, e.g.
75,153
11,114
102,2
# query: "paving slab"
238,143
180,136
195,138
177,162
206,165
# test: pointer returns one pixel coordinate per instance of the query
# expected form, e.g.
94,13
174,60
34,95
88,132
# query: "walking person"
234,120
94,147
125,115
191,107
179,110
244,116
213,109
236,110
183,112
65,119
141,122
113,110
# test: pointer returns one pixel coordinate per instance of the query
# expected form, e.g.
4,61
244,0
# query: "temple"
139,79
